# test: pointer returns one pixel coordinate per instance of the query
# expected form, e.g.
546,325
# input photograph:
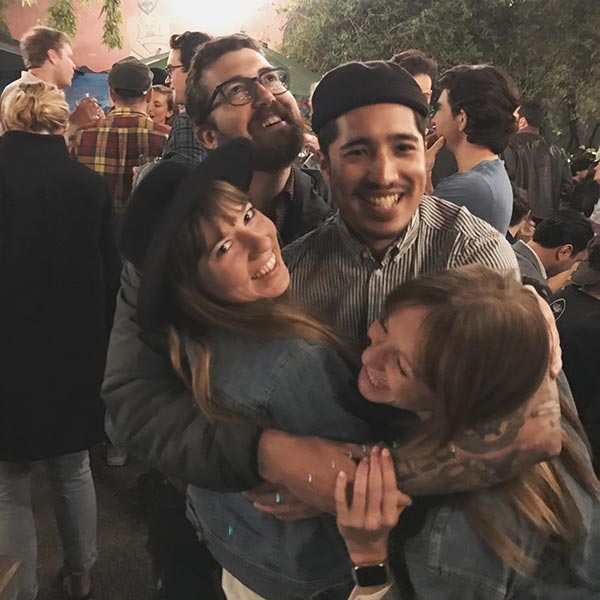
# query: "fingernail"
385,452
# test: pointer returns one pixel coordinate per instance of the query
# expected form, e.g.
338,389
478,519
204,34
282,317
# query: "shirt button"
378,272
364,254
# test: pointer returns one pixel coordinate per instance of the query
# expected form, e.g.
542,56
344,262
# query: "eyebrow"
240,77
398,137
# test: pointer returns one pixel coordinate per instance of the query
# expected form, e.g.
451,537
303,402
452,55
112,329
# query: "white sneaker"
115,457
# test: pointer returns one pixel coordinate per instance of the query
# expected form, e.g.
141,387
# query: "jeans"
74,500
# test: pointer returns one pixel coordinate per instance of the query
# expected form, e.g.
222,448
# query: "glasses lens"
276,81
238,92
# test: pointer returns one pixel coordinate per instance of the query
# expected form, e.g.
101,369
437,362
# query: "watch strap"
370,575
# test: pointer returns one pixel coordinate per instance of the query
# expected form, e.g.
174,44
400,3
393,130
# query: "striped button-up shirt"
339,280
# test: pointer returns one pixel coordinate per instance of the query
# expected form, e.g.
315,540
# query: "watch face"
373,575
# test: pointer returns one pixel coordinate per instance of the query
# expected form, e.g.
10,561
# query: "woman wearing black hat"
212,272
59,268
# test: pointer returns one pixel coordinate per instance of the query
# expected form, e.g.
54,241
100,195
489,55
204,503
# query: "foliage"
61,15
113,17
550,47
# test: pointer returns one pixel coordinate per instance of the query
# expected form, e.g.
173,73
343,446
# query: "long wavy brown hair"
198,312
484,350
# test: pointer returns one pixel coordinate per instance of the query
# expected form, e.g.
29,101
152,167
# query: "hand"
312,143
557,282
280,502
306,466
433,149
87,112
555,350
366,522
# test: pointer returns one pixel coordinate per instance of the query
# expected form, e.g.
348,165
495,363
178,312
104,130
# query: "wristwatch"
370,575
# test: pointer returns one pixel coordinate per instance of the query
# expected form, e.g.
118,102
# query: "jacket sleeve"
152,413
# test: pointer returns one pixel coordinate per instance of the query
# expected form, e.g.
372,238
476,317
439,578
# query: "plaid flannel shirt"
123,140
182,144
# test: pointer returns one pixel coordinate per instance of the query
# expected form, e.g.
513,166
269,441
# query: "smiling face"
242,262
158,108
387,375
272,122
376,171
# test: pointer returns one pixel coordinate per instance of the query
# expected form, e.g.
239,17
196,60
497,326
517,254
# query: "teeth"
266,268
271,121
384,201
378,382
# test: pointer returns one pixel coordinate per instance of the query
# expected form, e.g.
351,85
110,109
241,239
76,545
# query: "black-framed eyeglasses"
170,68
239,91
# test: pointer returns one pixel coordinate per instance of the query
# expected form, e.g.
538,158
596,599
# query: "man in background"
127,137
48,57
538,167
182,145
558,244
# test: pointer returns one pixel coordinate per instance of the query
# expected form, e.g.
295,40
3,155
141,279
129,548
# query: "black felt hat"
158,208
357,84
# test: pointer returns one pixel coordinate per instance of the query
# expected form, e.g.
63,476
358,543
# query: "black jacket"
541,169
59,269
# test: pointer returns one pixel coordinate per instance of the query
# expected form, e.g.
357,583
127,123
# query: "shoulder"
473,240
162,130
320,239
266,368
182,121
440,214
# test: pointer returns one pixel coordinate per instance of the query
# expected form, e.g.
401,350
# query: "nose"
370,356
168,79
257,242
262,95
383,170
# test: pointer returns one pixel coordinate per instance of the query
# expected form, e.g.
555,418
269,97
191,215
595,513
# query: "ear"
324,164
521,123
149,96
208,136
462,120
564,252
111,96
52,56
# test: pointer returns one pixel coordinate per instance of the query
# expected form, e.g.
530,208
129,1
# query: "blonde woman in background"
59,270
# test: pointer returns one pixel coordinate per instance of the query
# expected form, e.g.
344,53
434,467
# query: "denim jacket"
447,559
304,389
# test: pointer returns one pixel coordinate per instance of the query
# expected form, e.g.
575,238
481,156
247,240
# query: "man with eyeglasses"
232,91
182,145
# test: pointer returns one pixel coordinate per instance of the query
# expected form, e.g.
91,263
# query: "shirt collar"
396,250
125,111
540,263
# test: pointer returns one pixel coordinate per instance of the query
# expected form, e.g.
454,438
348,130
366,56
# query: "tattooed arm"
475,459
491,453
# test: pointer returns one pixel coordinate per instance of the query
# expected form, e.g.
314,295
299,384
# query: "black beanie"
357,84
158,208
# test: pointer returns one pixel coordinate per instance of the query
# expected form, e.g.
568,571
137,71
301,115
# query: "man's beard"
275,150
